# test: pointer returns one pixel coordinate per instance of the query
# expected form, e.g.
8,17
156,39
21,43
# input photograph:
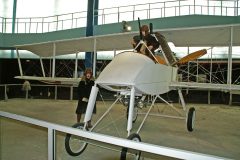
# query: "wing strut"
19,63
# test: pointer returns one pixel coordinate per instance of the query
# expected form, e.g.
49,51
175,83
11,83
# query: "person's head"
145,30
88,73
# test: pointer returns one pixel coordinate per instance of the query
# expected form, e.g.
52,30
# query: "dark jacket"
151,41
84,90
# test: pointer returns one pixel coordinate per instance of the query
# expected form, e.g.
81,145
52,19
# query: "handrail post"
57,24
5,94
164,8
236,8
26,95
149,10
55,95
2,23
1,138
103,17
179,9
42,24
118,15
30,21
71,92
133,12
72,21
5,25
51,144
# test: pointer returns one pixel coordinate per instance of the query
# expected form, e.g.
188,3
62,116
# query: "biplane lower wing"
206,86
51,80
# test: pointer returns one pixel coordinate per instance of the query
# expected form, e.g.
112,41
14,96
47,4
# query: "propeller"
191,56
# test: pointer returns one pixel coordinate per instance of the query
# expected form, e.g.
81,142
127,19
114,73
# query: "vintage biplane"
131,75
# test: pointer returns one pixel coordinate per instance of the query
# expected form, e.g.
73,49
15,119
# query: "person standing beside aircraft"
84,90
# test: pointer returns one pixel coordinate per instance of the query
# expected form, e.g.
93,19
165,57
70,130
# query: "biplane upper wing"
191,36
84,44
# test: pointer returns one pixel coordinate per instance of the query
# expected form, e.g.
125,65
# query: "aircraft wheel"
135,113
75,145
191,119
137,155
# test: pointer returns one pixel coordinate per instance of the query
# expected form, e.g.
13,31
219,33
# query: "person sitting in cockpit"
151,43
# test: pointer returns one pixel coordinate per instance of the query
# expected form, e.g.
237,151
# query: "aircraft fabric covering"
133,69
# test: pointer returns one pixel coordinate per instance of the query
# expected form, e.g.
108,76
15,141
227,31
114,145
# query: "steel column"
51,144
229,77
91,21
14,15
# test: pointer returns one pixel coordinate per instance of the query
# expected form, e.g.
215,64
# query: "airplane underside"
133,103
141,78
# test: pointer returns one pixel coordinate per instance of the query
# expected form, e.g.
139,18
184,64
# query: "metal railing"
120,142
118,14
38,91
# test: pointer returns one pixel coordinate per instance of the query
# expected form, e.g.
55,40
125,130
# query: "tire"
135,113
69,139
134,137
191,119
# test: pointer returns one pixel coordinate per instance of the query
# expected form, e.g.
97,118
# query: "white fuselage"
130,69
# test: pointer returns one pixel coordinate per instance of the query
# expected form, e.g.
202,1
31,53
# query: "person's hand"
84,99
150,47
133,42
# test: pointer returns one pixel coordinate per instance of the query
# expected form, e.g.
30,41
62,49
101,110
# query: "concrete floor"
217,130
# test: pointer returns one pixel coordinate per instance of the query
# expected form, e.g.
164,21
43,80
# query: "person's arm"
153,43
143,48
133,43
81,89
